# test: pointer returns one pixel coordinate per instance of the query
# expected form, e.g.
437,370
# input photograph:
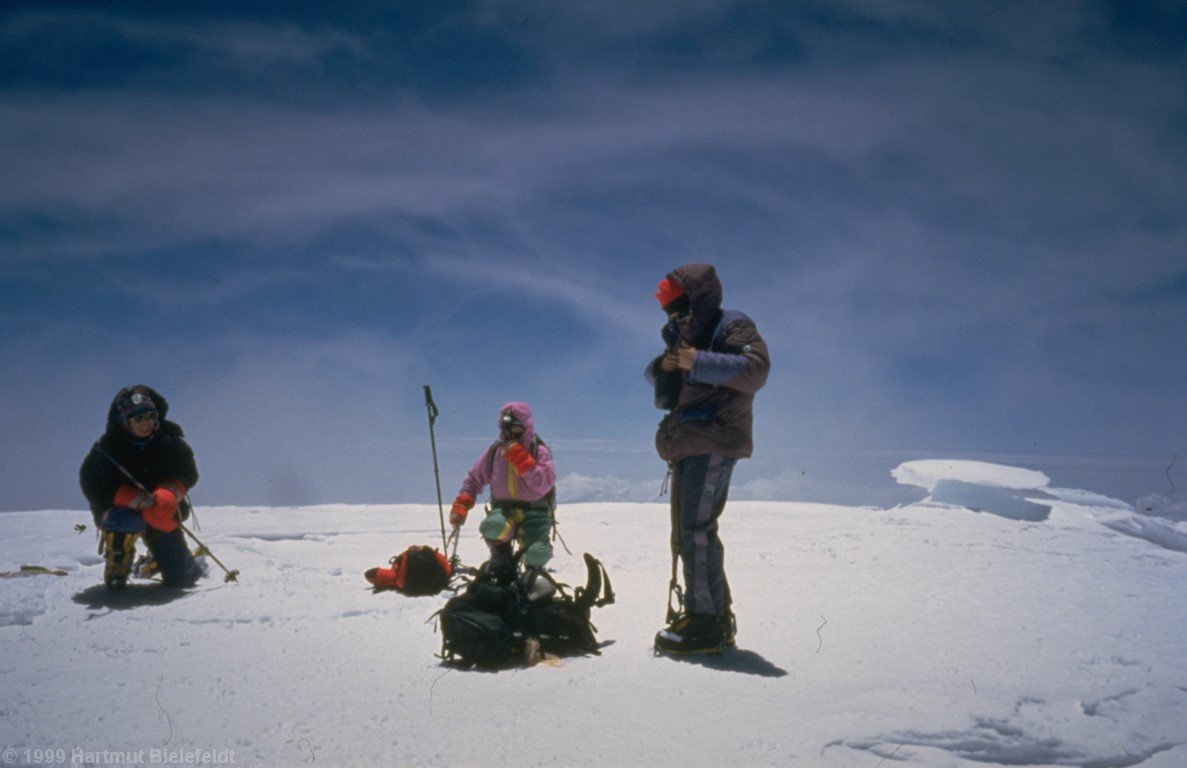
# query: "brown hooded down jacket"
713,412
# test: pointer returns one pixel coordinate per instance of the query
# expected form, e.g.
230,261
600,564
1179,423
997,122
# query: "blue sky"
960,227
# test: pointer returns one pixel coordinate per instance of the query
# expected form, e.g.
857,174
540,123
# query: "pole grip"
433,412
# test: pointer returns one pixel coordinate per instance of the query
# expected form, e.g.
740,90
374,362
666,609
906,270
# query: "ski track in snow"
997,622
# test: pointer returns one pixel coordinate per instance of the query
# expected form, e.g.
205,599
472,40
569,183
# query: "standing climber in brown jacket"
706,379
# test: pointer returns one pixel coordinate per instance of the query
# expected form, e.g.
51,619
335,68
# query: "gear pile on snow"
493,623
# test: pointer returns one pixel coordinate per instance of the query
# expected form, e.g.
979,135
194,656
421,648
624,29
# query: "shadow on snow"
99,597
734,660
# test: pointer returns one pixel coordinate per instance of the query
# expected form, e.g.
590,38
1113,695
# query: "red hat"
669,291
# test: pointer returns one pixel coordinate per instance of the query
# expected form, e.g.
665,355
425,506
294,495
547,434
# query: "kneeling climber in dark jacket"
135,479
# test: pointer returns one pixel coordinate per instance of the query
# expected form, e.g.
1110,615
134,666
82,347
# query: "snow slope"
923,635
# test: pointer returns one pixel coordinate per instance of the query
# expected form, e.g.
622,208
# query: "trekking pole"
231,575
433,414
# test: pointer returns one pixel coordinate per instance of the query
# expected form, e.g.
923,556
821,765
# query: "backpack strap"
550,497
490,458
597,591
494,447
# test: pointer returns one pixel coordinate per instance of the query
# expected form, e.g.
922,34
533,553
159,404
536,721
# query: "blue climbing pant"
176,563
700,486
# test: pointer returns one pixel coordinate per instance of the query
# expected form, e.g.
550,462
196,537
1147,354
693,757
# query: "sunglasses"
141,417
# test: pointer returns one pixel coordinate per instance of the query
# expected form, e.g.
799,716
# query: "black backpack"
476,625
487,624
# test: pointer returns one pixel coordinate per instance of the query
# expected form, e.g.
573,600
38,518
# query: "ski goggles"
137,418
509,425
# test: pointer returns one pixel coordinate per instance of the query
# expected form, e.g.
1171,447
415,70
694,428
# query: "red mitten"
461,508
132,498
518,457
163,514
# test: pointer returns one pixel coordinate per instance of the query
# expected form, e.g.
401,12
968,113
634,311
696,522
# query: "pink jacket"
505,483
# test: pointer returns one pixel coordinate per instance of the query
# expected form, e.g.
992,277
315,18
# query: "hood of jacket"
700,283
523,414
114,424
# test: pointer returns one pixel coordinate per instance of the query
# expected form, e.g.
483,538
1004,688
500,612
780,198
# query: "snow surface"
922,635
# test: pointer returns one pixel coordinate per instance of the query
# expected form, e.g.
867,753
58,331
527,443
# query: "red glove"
133,498
461,508
163,514
519,458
